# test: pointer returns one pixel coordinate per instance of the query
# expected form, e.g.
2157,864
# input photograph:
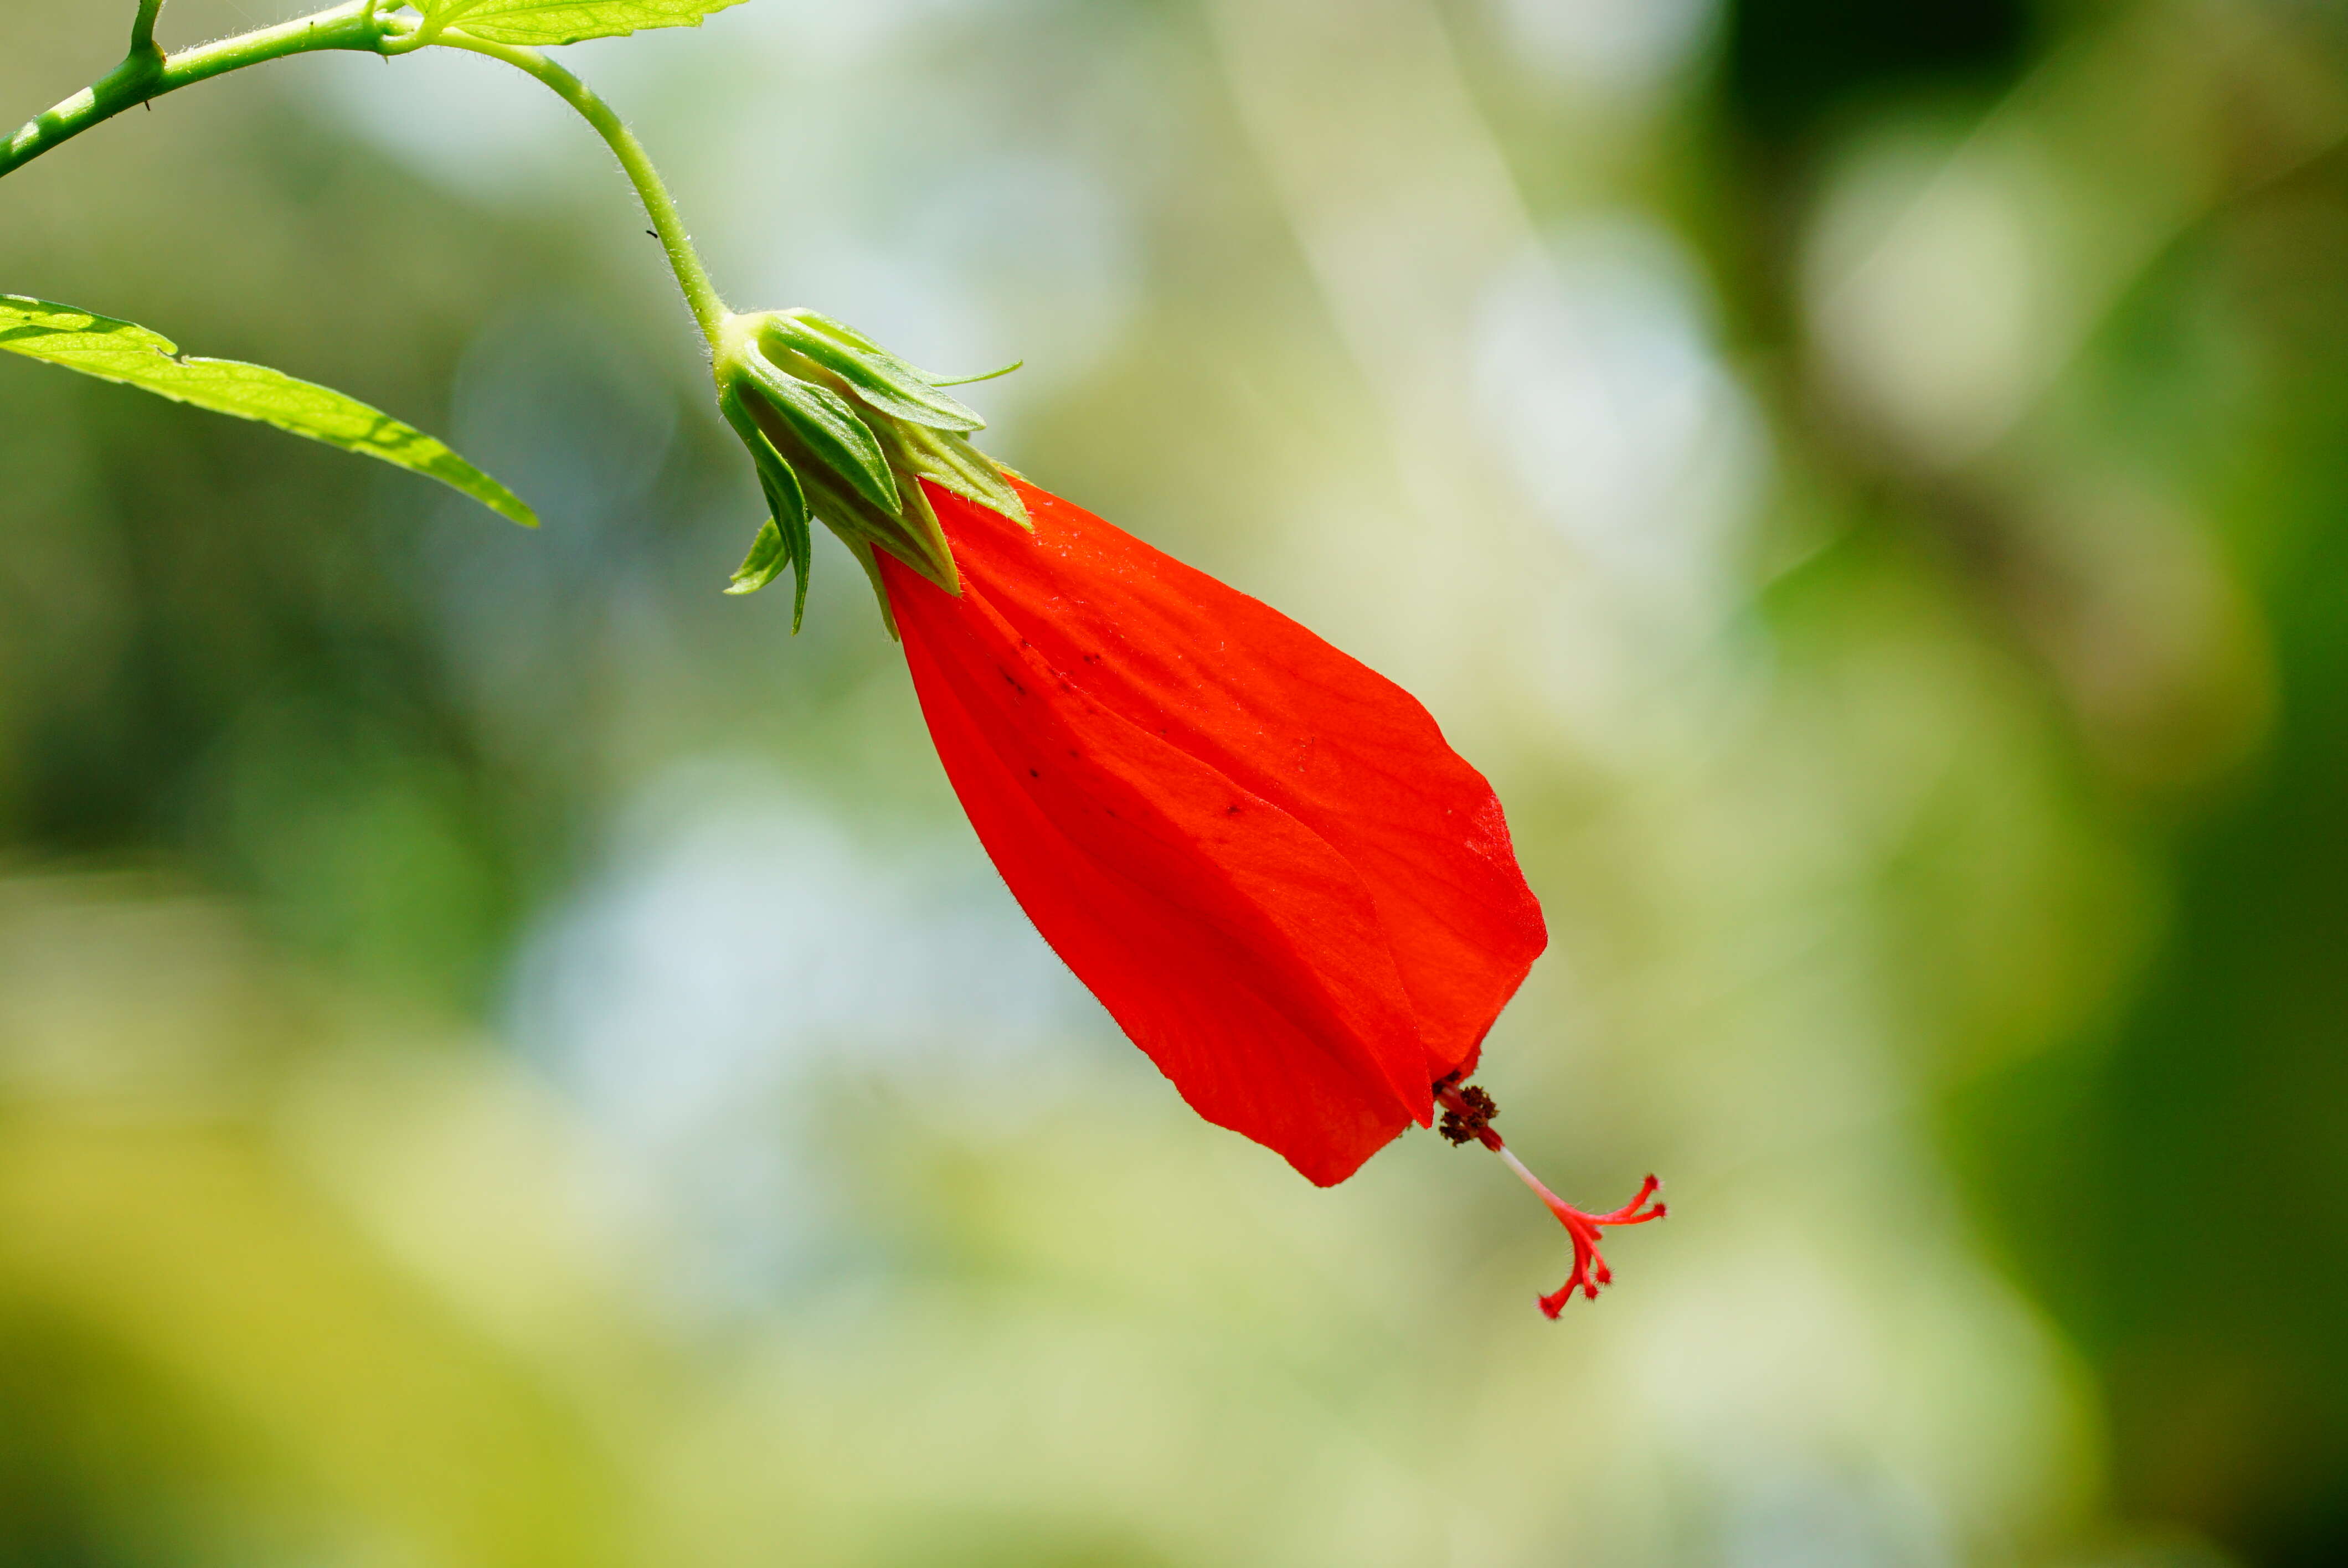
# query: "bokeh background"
508,1058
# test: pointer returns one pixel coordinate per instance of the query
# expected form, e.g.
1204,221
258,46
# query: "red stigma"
1467,1115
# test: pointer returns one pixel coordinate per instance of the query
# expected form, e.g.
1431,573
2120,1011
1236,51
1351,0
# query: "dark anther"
1468,1114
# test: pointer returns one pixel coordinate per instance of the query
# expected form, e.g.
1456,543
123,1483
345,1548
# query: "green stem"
148,74
142,30
708,309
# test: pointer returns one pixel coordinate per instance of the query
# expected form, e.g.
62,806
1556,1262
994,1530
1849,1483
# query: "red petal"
1258,853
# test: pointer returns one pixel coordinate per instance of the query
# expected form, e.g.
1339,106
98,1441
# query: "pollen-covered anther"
1468,1116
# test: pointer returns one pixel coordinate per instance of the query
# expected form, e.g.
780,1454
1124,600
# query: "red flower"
1260,855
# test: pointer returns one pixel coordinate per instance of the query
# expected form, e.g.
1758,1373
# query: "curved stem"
148,74
142,29
700,293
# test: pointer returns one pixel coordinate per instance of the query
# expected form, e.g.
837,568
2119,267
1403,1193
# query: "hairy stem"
148,73
692,277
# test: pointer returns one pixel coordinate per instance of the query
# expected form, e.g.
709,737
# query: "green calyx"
843,432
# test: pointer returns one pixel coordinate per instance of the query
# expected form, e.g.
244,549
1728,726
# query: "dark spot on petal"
1034,774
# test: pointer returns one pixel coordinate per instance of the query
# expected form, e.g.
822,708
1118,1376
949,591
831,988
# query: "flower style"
1260,855
1468,1114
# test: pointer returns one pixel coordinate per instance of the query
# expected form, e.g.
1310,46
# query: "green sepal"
775,547
871,565
872,373
787,507
910,530
961,467
790,383
970,380
913,535
832,431
767,560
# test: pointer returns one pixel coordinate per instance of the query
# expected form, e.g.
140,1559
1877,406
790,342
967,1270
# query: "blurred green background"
508,1057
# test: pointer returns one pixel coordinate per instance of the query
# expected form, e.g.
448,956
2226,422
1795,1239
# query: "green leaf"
120,351
548,22
831,429
878,377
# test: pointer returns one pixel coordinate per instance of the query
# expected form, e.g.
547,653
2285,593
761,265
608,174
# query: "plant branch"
142,30
148,74
708,309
